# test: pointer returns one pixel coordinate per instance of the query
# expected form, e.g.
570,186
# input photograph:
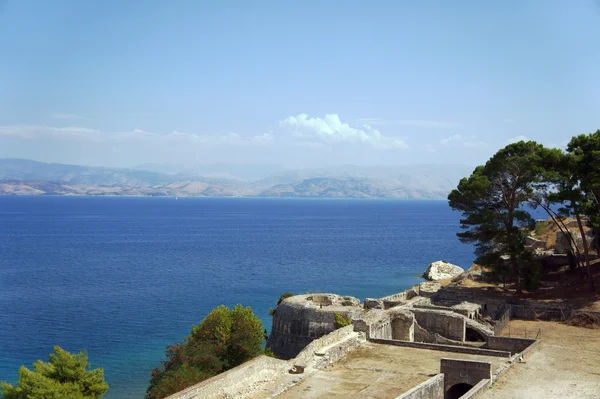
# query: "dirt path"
565,365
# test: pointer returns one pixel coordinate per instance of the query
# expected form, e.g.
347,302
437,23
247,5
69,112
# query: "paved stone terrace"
378,372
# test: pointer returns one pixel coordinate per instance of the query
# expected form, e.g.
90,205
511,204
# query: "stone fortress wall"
305,335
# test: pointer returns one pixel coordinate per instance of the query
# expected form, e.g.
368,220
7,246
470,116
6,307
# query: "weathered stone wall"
306,355
513,345
502,321
446,324
381,329
295,327
464,372
529,310
444,347
403,327
433,388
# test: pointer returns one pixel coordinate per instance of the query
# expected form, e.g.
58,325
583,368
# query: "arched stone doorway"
458,390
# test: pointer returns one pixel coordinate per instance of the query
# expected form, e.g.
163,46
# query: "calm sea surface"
124,277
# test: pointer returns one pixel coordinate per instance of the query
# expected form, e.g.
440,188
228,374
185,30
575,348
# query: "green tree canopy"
65,375
492,201
225,339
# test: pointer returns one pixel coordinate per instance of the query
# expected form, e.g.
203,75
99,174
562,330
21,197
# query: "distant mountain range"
26,177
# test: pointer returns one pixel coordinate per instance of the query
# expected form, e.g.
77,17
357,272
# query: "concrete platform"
377,371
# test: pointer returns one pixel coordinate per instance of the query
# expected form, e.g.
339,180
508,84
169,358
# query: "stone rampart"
433,388
300,319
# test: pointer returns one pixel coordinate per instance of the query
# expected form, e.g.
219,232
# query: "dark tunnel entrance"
458,390
472,335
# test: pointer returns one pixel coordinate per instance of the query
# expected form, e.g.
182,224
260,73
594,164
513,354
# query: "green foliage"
492,201
65,375
342,320
347,303
532,272
271,312
284,296
225,339
269,352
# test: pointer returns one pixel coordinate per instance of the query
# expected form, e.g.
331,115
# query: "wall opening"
458,390
473,335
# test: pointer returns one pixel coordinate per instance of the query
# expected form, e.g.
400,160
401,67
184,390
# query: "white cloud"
429,124
64,116
517,139
331,129
465,141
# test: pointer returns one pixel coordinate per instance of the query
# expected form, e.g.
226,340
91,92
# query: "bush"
341,320
347,303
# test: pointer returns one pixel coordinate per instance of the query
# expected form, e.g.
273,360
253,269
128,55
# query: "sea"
123,277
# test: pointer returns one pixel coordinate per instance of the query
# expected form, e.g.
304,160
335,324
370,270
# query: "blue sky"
295,83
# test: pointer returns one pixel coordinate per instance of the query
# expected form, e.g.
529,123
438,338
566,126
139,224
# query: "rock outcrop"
441,270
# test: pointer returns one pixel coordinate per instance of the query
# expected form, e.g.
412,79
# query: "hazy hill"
25,177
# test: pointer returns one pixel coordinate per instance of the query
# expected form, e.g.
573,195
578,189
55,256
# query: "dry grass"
586,320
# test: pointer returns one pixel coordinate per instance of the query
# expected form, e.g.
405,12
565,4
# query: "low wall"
478,390
529,310
509,344
445,348
433,388
234,383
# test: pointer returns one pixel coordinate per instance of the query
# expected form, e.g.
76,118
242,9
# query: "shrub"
347,303
342,320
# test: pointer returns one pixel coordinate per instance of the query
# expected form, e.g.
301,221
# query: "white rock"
441,270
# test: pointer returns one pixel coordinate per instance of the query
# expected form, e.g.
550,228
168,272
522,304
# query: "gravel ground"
564,365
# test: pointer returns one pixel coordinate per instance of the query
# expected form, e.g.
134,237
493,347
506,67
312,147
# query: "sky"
294,83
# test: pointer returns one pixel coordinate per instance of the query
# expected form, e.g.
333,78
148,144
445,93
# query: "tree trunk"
586,252
517,275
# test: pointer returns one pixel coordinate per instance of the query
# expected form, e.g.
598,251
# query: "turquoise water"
124,277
